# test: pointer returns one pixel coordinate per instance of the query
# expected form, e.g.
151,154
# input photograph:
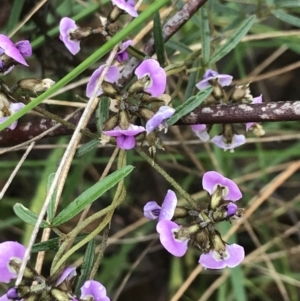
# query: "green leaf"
189,105
51,207
285,17
233,41
28,216
288,3
102,113
87,147
87,264
205,36
53,244
189,92
158,39
91,195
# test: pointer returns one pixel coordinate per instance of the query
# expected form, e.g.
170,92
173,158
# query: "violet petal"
94,289
158,118
9,250
168,206
212,179
157,75
152,210
176,247
212,260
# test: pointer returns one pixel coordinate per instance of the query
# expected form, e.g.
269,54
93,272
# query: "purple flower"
156,84
237,140
153,211
11,53
13,108
111,76
200,131
10,49
126,5
94,290
10,250
67,274
66,26
125,138
167,230
223,79
159,119
231,209
24,47
5,298
212,179
233,256
123,55
255,100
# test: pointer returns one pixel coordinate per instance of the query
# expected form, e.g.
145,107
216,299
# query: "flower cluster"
12,254
229,138
140,101
197,227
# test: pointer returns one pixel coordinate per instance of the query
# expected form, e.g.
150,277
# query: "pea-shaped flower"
164,212
231,257
158,120
223,79
125,138
111,76
10,250
157,78
127,6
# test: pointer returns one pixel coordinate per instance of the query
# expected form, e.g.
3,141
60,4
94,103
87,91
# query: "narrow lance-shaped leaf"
87,147
285,17
233,40
53,244
191,86
51,207
90,195
189,105
87,264
102,113
205,36
158,39
28,216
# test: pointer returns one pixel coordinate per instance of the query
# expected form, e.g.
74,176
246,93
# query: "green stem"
167,177
124,33
61,255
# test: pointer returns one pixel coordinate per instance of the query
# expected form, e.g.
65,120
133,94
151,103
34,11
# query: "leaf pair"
75,207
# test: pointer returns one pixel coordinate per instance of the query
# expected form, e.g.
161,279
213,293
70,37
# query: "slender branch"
169,29
264,112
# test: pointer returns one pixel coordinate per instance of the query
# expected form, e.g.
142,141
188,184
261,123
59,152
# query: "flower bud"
228,133
111,122
181,212
110,90
35,85
139,85
218,92
186,232
124,122
218,244
61,295
80,33
241,93
114,14
202,241
145,113
258,130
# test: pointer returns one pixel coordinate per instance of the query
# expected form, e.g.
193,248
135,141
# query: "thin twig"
16,170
